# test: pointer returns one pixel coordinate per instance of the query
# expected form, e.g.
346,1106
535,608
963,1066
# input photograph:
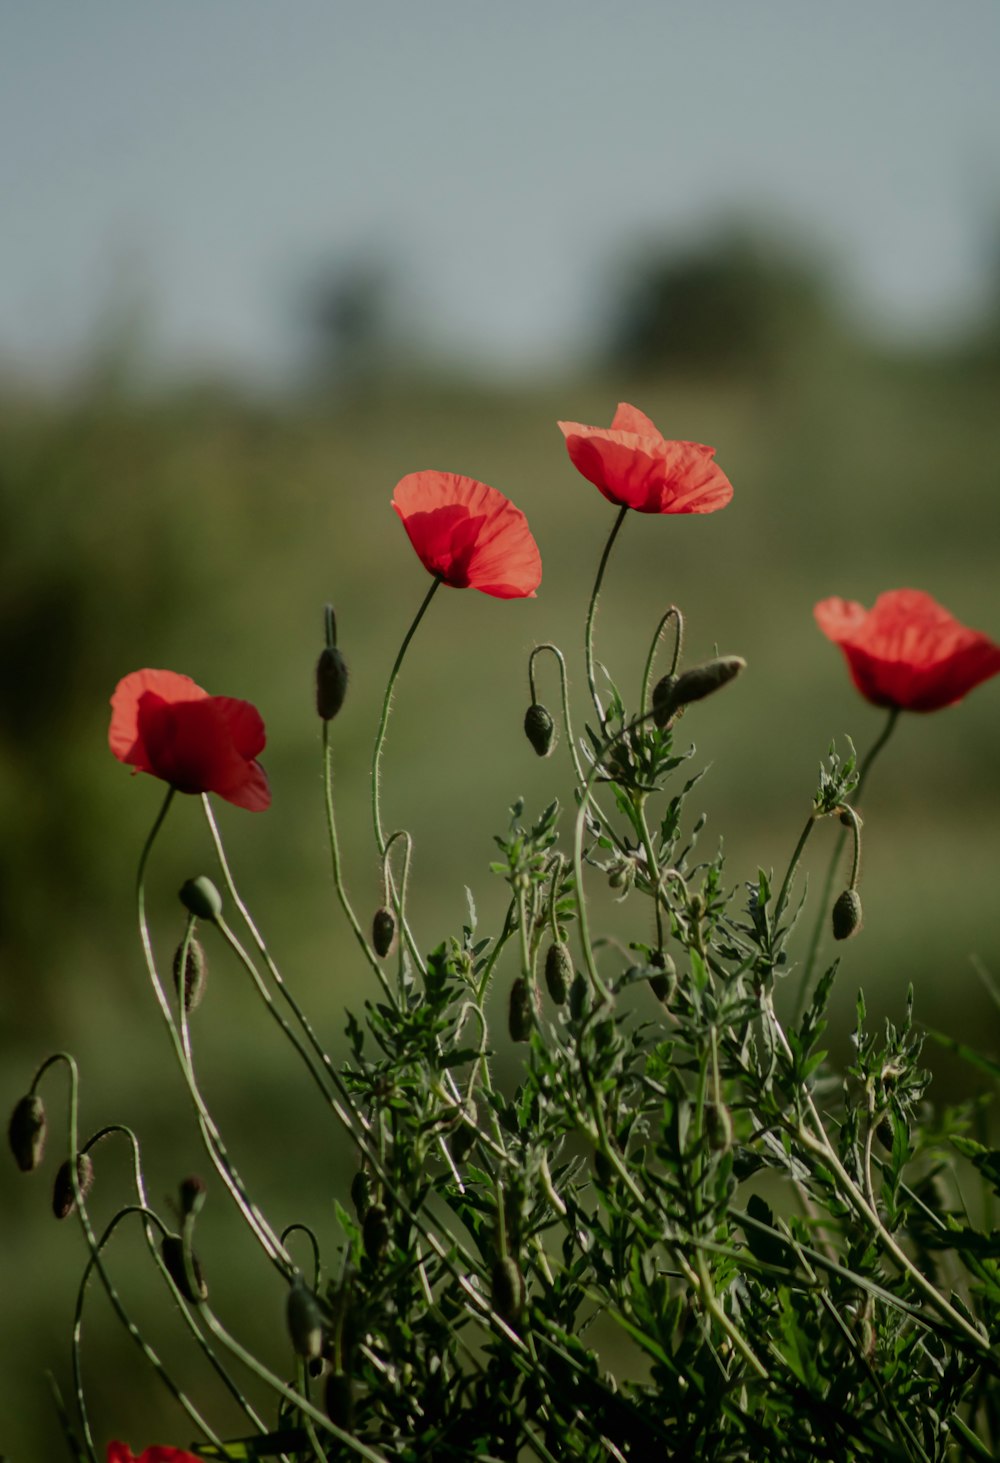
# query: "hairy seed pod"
201,898
846,916
718,1127
507,1290
383,932
558,971
520,1010
338,1397
331,682
172,1251
63,1198
540,729
26,1132
190,983
663,983
305,1322
375,1233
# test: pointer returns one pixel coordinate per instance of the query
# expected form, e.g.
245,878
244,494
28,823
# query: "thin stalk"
588,644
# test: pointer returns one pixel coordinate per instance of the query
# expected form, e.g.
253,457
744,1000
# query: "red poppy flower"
122,1453
469,534
635,466
164,724
908,651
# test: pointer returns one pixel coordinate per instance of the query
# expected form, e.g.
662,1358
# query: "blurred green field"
203,531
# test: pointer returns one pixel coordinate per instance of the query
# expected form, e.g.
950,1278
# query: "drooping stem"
384,718
647,675
588,643
824,898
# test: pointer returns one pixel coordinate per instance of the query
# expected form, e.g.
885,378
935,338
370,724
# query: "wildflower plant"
677,1232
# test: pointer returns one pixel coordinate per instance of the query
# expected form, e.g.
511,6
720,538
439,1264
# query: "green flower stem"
149,1218
588,643
672,614
824,898
655,881
383,720
213,1139
564,696
793,864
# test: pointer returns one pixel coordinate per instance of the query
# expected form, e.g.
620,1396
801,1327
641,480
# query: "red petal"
123,733
469,534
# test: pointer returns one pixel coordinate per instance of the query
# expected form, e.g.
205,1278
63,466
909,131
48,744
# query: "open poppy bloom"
635,466
468,534
164,724
907,651
122,1453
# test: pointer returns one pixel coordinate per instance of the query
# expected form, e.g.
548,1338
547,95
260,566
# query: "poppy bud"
663,983
331,682
578,997
507,1291
305,1321
201,898
383,932
718,1127
520,1010
663,707
63,1198
847,915
190,982
193,1195
339,1399
697,683
375,1233
558,971
26,1132
540,729
361,1192
884,1133
172,1250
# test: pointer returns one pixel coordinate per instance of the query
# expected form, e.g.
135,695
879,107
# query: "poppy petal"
635,466
469,534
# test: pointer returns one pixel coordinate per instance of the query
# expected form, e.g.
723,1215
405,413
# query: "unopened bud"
664,983
383,932
540,729
26,1132
375,1232
193,1195
201,898
694,685
520,1010
339,1400
847,915
718,1127
192,1288
558,971
663,704
331,682
63,1197
361,1192
507,1290
305,1321
190,982
578,992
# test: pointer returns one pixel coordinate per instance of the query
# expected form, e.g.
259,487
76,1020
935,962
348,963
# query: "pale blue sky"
205,154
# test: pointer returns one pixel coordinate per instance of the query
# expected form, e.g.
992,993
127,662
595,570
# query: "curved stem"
564,695
384,718
672,614
588,643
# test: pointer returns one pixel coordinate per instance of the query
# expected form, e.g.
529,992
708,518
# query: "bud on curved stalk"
507,1290
331,682
694,685
663,983
558,971
718,1127
846,917
26,1132
383,932
63,1197
305,1322
190,983
200,897
361,1192
172,1251
521,1010
540,729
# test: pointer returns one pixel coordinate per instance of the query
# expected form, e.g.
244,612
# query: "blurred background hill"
186,477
